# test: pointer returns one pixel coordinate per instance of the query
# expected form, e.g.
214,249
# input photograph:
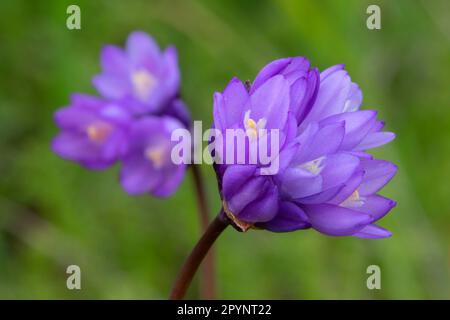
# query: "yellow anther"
156,156
99,131
250,124
252,127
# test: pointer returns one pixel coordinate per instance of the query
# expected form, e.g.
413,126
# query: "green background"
54,213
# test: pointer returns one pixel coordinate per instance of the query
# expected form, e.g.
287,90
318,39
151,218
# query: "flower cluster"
133,119
326,179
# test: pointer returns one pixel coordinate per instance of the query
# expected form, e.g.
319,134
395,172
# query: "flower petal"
170,182
373,231
331,98
142,50
235,177
377,174
297,64
231,108
308,96
299,183
269,71
374,140
325,141
290,217
349,187
171,72
357,126
244,195
338,169
322,196
138,176
329,71
74,117
376,206
354,99
114,61
77,147
336,221
111,87
271,102
264,208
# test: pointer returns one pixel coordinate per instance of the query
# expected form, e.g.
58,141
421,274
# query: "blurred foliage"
53,213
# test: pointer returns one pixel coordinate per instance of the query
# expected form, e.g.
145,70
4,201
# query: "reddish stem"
190,267
207,281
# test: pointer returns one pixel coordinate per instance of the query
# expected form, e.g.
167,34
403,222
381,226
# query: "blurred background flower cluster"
54,213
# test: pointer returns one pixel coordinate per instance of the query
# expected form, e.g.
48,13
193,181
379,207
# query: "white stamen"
349,106
143,83
354,201
314,166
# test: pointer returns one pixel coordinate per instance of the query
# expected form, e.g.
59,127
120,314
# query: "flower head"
141,77
326,180
93,132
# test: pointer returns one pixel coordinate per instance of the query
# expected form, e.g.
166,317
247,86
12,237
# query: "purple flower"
133,121
141,77
93,132
246,192
265,108
147,167
326,180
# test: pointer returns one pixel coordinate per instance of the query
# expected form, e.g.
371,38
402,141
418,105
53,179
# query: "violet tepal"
326,179
302,81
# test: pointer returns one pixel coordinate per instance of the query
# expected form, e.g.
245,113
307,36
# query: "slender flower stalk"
190,267
201,196
207,282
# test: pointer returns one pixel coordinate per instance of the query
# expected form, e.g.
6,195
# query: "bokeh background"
54,213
